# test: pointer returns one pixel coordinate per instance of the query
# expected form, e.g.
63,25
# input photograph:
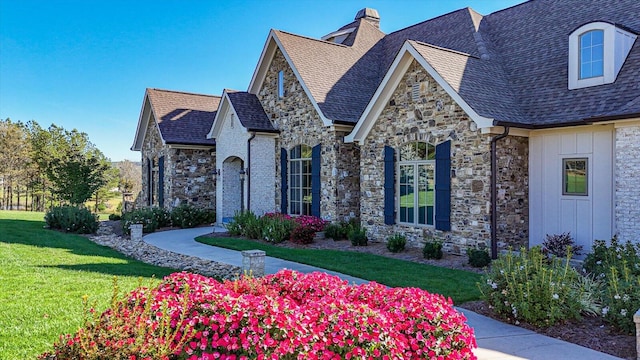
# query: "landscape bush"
276,227
432,250
336,231
358,236
302,235
560,244
162,216
313,223
396,243
114,217
189,216
72,219
287,315
144,216
478,258
618,267
530,287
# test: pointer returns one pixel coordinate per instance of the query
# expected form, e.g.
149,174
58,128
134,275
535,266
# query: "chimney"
370,15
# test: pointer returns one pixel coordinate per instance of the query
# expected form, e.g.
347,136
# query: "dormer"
367,14
597,52
338,36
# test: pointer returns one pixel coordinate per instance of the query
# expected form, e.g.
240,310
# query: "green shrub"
237,226
396,243
276,229
144,216
528,287
188,216
560,244
618,266
432,250
102,207
162,217
253,227
339,231
72,219
114,217
358,236
478,258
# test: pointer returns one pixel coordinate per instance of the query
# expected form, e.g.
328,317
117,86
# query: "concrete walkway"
496,340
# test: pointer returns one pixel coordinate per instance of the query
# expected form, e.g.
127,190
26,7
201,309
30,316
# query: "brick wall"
627,186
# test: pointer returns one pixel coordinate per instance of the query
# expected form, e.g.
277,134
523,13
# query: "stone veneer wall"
627,188
187,173
189,178
299,123
435,118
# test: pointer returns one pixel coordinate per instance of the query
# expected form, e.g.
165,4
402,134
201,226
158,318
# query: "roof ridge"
444,49
310,38
428,20
184,92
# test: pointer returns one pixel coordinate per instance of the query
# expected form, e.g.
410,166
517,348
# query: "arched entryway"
233,194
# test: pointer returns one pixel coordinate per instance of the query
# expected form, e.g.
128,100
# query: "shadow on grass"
33,233
131,268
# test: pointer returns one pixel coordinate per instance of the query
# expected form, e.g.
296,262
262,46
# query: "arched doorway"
232,187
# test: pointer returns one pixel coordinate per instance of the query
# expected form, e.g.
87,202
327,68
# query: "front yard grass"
43,276
458,284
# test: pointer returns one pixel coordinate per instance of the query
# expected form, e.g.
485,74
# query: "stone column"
253,263
136,232
636,319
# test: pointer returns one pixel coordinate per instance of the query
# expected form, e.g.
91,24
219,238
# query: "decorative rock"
141,251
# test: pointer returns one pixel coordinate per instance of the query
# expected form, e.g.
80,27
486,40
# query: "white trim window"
281,84
416,184
300,180
597,52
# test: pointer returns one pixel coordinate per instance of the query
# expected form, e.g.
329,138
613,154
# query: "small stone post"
253,262
636,319
136,232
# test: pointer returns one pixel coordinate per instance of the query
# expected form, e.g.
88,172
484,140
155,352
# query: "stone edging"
150,254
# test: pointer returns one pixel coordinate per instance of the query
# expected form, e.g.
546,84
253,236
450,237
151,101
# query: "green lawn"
43,276
457,284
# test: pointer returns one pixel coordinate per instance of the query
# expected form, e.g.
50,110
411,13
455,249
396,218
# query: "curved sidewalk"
496,340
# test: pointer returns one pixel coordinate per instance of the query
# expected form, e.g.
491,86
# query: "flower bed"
283,316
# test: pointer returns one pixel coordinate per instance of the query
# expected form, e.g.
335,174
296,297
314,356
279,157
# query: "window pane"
585,70
305,152
407,195
585,55
597,37
575,176
431,152
585,40
597,68
597,52
421,151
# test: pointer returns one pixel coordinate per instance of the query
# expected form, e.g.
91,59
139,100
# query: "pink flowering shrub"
288,315
302,235
312,222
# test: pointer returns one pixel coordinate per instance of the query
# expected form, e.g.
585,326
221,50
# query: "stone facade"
627,189
300,124
434,117
187,173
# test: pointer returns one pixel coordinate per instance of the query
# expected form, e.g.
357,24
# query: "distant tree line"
40,168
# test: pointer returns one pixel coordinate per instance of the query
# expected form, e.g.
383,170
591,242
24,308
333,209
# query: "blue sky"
86,64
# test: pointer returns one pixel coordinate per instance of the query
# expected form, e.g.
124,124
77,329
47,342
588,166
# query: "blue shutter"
284,187
161,181
389,185
149,181
443,186
315,180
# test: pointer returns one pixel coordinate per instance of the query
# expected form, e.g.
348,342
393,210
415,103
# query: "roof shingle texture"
183,118
250,111
514,70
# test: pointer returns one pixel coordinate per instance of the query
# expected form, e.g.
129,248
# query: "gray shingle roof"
515,71
183,118
250,111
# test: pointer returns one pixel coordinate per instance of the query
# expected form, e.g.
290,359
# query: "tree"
130,177
14,160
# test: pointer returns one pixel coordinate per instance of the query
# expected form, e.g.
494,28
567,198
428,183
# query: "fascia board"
143,122
391,80
481,121
263,64
219,118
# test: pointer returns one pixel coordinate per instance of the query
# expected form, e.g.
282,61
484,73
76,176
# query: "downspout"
253,135
494,193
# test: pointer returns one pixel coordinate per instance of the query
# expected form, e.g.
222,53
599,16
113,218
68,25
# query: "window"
280,84
300,180
574,176
597,52
592,54
416,168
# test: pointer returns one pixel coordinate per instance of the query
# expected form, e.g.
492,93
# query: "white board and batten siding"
588,217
